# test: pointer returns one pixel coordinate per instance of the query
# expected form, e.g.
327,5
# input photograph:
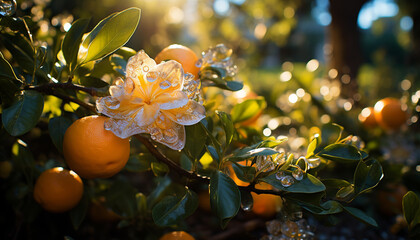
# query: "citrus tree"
109,127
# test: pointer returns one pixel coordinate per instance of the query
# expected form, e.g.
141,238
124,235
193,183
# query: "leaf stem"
191,175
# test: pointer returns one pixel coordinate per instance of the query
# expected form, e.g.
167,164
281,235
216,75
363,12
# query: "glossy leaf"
21,50
78,213
341,153
248,152
57,127
172,209
16,24
311,147
225,198
140,162
25,161
195,141
72,40
309,184
367,175
227,124
359,214
411,208
23,114
9,83
159,168
247,109
90,81
118,63
163,187
244,173
121,197
112,34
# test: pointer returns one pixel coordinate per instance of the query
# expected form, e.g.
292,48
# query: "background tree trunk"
344,37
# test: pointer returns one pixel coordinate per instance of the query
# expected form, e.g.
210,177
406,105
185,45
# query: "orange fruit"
58,190
177,235
265,205
93,152
367,117
181,54
389,114
235,178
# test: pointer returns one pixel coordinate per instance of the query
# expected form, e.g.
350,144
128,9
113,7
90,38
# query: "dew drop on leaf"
287,181
280,175
314,162
297,174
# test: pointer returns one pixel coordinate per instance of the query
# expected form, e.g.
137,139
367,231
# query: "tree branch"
191,175
68,85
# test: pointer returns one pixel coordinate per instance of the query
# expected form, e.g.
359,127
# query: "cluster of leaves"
70,69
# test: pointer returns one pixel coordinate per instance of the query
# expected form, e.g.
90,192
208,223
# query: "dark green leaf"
9,83
367,175
225,198
247,109
331,133
309,184
341,153
213,153
234,85
227,124
244,173
21,50
411,208
140,162
16,24
163,187
72,42
357,213
113,34
248,152
195,141
141,203
172,209
23,114
121,197
57,127
159,168
118,63
78,213
24,161
346,193
90,81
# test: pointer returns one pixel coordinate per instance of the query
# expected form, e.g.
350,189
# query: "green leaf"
367,175
90,81
141,203
162,188
172,209
9,83
72,40
78,213
195,141
112,34
331,133
309,184
119,64
159,168
57,127
249,152
21,50
16,24
247,109
225,198
244,173
25,161
140,162
227,124
234,85
272,142
23,114
121,197
359,214
340,152
411,208
311,148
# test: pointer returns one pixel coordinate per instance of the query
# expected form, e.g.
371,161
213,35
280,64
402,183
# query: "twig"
68,85
191,175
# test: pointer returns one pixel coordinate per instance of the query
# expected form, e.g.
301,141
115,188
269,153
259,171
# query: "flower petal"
147,114
173,135
171,100
171,78
137,65
123,128
189,114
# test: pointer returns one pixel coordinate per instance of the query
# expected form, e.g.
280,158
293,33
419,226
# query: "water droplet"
165,84
280,175
297,174
314,162
108,125
151,76
145,68
199,63
170,136
7,7
112,104
287,181
289,228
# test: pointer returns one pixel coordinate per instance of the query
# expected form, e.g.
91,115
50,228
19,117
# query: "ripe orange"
181,54
389,114
93,152
58,190
367,117
265,205
177,235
